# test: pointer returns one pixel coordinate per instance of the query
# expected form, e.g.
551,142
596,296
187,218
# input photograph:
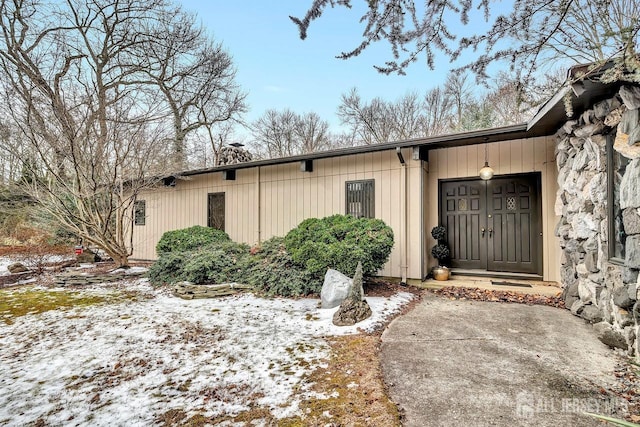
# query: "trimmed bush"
216,263
168,268
192,238
273,271
340,242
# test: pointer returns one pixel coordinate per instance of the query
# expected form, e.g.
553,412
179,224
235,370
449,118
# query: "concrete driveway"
494,364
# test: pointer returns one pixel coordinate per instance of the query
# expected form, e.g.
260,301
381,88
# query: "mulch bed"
476,294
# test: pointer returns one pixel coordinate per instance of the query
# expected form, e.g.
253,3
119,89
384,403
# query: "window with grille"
215,211
360,198
139,212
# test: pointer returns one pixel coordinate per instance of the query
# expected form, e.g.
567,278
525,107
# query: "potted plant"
441,252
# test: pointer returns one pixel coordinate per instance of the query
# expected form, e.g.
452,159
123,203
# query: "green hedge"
340,242
187,239
290,266
273,271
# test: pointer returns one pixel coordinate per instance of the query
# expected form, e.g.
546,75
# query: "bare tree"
438,112
195,75
81,100
312,133
285,133
532,32
369,122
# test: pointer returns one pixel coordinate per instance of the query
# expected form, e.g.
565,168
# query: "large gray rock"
610,336
335,288
632,251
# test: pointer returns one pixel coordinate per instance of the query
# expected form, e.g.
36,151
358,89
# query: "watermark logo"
529,404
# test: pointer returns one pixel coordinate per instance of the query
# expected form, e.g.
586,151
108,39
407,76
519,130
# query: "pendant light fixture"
486,173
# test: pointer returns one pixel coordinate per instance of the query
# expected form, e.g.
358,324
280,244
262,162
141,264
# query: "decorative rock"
188,290
16,268
632,251
621,297
630,96
610,336
355,308
631,220
591,314
335,289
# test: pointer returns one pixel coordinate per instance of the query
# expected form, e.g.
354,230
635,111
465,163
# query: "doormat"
522,285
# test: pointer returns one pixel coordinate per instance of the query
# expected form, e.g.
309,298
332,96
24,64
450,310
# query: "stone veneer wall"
602,292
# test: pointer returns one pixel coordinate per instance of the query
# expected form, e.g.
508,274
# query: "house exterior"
402,184
563,204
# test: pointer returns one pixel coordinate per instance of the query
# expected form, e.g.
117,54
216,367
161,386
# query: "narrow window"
215,211
616,166
360,199
139,212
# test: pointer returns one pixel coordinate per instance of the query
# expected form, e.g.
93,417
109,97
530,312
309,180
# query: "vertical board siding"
507,157
286,197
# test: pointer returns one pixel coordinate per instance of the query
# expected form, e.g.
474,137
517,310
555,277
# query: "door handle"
482,230
490,232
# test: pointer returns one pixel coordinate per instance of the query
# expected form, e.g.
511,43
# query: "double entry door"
494,225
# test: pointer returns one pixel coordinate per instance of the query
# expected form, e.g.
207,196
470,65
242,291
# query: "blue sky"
278,70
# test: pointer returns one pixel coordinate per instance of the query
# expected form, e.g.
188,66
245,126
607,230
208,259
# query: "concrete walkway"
494,364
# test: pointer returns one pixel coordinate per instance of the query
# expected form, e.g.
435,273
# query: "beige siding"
271,200
509,157
287,197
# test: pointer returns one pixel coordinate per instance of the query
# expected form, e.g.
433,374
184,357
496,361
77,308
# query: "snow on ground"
6,261
128,363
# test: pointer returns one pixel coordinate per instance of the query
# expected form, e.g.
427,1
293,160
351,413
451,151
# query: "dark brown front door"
493,225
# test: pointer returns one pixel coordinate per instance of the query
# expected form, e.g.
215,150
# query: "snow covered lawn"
129,361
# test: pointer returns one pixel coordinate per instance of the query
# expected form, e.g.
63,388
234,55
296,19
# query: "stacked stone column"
600,291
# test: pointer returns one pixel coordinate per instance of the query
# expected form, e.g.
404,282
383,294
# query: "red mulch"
476,294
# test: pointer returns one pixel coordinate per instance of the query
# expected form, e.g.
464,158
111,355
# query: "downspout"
258,230
403,227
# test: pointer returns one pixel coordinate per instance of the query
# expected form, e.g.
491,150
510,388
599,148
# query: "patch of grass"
16,303
353,379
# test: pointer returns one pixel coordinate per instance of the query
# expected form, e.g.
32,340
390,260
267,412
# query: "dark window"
215,211
616,166
360,199
139,212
